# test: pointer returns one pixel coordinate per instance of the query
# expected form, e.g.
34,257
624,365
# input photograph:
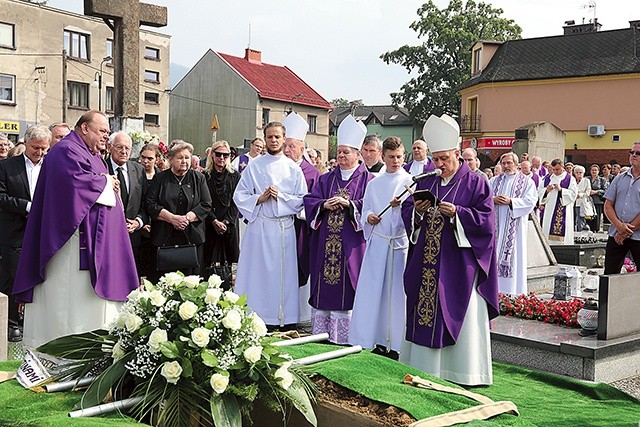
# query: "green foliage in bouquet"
189,349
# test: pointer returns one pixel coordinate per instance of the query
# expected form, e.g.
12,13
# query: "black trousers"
8,267
615,254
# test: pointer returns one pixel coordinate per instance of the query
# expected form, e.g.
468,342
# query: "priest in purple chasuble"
450,280
558,192
76,262
337,243
420,163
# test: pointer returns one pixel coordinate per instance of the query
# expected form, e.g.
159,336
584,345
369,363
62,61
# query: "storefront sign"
9,127
503,142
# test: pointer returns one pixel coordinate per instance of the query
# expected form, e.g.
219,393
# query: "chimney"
635,24
572,28
253,56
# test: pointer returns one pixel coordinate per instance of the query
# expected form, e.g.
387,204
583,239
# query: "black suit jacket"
163,194
138,186
14,196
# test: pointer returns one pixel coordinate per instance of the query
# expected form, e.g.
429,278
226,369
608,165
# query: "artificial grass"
542,399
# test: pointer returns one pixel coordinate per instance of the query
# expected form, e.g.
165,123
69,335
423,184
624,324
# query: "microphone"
418,178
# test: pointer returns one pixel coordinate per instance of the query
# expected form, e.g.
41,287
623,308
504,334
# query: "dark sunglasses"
634,153
218,154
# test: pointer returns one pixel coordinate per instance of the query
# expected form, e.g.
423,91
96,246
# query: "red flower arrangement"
548,311
163,148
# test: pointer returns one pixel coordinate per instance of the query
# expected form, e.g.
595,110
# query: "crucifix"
127,16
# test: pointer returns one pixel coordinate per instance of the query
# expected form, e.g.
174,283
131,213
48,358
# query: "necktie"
124,194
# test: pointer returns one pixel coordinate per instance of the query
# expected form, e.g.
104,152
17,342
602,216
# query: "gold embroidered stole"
333,259
427,294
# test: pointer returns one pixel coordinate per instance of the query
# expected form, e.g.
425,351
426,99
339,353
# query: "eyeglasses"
634,153
219,154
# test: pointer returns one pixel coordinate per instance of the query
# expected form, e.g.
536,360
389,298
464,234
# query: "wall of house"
211,88
36,62
406,133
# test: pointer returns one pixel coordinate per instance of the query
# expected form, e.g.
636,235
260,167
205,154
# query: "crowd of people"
406,259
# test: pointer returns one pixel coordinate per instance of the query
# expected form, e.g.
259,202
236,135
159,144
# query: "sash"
505,252
558,223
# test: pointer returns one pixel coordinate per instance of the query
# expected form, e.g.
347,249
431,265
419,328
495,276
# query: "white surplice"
567,198
268,264
378,315
520,208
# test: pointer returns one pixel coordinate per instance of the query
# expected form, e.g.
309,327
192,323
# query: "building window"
313,123
476,62
109,51
151,98
77,45
152,53
151,76
108,99
265,117
7,89
152,119
78,95
7,35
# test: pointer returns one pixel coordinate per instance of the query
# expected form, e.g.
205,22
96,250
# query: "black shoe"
15,334
381,350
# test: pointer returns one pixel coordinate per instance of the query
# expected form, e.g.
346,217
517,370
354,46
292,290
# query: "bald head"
419,150
293,149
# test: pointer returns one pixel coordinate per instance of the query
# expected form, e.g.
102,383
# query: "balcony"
470,124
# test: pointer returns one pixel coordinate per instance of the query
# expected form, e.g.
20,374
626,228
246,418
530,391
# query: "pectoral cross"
127,16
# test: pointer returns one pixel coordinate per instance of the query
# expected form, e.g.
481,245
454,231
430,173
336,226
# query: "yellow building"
35,88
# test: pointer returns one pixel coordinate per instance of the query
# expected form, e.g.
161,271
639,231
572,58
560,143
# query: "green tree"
443,59
340,102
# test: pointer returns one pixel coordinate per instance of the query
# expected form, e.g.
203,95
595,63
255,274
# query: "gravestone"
4,325
619,300
542,139
127,16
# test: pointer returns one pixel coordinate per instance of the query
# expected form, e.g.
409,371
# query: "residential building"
36,89
245,94
382,120
586,82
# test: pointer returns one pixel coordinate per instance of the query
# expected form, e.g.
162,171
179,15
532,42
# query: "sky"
335,45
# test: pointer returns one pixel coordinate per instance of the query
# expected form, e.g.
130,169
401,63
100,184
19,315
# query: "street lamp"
98,81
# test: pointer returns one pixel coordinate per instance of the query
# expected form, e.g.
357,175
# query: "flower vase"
588,318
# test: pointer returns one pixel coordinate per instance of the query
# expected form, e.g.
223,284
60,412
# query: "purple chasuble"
439,275
243,162
558,221
70,182
428,166
536,179
311,175
337,248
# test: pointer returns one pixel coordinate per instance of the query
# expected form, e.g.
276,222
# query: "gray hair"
178,145
119,134
513,155
52,126
372,139
37,133
579,168
4,136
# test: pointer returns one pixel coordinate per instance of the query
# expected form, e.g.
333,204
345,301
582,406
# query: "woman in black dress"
178,203
222,243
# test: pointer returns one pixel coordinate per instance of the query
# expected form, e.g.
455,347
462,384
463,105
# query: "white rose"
233,320
253,353
147,284
258,325
117,352
215,281
191,281
213,295
157,337
284,377
132,322
172,279
232,297
171,371
134,295
187,310
200,336
219,383
157,298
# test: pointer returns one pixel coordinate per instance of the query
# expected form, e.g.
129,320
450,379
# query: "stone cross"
127,16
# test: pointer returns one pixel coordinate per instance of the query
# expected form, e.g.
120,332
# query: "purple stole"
536,178
428,166
337,246
243,162
303,232
558,223
439,275
505,258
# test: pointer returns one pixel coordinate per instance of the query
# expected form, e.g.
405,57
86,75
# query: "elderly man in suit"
18,178
133,186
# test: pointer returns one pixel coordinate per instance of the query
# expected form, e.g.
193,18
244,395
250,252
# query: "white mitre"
296,127
441,133
351,132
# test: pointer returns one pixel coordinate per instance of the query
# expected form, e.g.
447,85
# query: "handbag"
177,257
587,208
221,269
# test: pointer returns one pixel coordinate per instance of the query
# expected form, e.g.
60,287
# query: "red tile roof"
275,82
